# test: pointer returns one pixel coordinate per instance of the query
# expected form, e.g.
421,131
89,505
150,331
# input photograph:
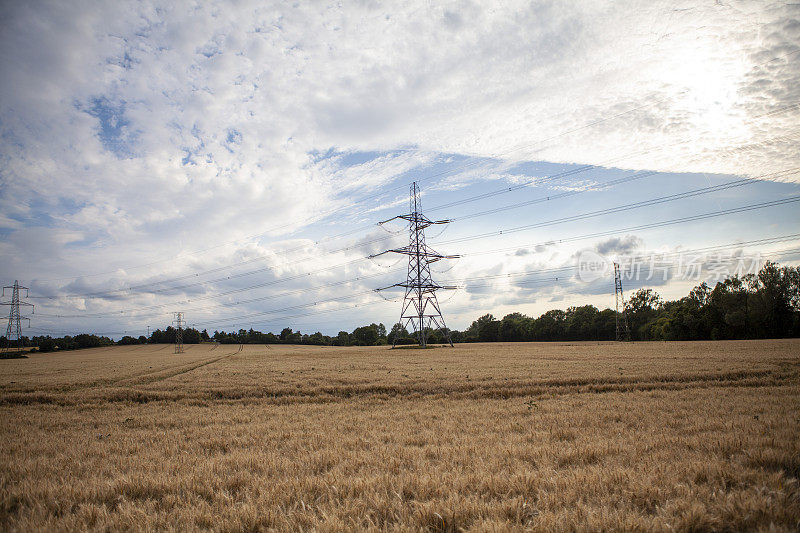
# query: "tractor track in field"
168,373
141,378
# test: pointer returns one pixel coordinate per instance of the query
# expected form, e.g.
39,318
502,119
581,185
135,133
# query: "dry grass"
646,436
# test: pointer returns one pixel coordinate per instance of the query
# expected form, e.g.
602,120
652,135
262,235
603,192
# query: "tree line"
371,335
753,306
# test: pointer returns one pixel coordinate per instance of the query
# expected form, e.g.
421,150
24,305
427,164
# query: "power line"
313,313
221,304
575,238
585,168
226,278
368,292
634,258
634,205
557,196
679,220
532,282
488,277
454,282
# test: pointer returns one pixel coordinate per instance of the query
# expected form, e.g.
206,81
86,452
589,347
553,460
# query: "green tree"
641,308
581,323
551,326
514,327
777,299
397,332
366,335
485,329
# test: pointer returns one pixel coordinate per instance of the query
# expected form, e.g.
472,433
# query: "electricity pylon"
622,331
179,322
14,329
421,308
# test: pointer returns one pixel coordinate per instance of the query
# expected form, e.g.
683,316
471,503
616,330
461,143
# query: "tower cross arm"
405,250
388,287
418,218
428,254
379,254
408,250
430,286
433,257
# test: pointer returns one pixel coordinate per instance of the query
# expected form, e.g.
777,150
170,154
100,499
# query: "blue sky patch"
114,133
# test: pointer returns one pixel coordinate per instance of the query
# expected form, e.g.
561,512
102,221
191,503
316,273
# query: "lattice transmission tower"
622,331
421,309
179,323
15,318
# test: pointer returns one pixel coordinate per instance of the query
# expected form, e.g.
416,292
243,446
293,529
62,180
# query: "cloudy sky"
231,159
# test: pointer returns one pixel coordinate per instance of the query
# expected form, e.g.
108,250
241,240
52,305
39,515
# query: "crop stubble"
525,436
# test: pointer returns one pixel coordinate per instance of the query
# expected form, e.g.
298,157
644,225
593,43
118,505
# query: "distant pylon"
14,329
622,331
420,306
179,322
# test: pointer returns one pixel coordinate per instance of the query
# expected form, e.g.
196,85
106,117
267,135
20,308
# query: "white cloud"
143,129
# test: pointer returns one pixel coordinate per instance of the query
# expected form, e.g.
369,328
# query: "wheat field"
498,437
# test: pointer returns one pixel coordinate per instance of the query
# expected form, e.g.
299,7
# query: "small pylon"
14,329
179,323
420,306
623,333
